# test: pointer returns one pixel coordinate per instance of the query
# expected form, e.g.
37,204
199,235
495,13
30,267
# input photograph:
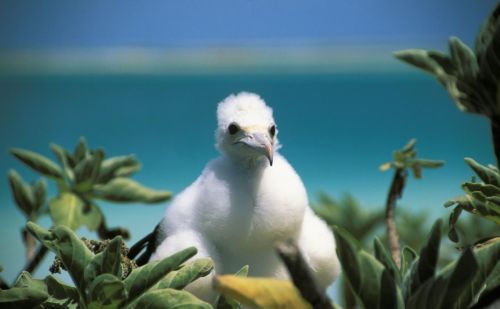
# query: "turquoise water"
336,129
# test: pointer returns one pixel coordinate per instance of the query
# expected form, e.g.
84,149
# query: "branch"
495,132
297,267
395,193
35,261
106,233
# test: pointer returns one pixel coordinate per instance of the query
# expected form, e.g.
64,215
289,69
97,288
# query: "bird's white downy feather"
240,205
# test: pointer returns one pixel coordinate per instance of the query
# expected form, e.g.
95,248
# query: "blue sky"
189,23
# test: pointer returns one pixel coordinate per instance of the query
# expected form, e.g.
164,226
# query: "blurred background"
145,78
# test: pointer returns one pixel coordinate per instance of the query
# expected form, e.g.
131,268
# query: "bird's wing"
149,243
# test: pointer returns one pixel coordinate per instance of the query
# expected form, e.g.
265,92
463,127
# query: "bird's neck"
250,164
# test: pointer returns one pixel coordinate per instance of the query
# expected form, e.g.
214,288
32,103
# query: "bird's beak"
260,142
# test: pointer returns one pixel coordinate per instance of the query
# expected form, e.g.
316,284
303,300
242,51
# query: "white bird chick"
243,202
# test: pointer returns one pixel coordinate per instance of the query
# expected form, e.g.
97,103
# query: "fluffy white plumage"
244,201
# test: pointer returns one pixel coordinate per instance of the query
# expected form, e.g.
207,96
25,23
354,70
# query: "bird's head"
246,129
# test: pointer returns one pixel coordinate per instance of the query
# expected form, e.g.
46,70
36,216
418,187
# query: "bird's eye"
233,129
272,131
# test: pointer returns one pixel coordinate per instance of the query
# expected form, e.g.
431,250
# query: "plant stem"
395,193
3,284
35,261
495,132
297,267
106,233
29,243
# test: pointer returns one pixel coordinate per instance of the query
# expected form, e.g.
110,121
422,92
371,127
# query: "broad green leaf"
66,160
121,166
444,290
106,262
22,193
21,298
488,259
68,247
62,294
25,280
261,292
360,268
142,278
126,190
385,258
38,163
169,299
58,293
424,266
178,279
107,292
459,280
69,210
390,294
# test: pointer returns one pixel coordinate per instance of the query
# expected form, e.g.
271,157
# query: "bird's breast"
256,210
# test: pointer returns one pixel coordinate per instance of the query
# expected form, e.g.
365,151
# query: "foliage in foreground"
379,283
98,278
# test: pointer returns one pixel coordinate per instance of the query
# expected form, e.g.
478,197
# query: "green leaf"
21,298
455,214
38,163
188,273
488,259
22,193
459,280
408,255
424,267
122,166
65,159
423,163
226,302
87,170
106,262
62,294
427,61
59,294
360,268
386,259
390,295
142,278
487,32
69,210
126,190
81,150
444,290
68,247
169,298
39,189
463,58
488,175
106,291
